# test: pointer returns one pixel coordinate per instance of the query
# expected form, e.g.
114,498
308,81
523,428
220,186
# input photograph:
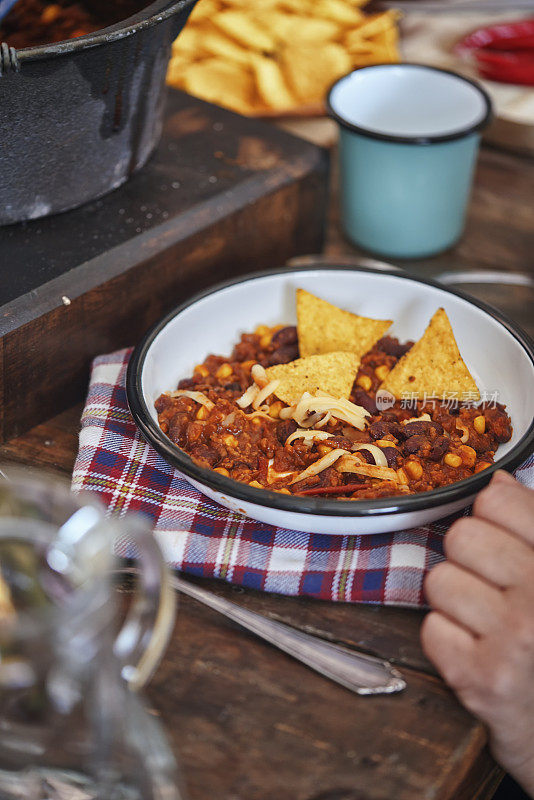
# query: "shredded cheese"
353,464
322,404
261,414
273,475
319,466
247,398
259,375
303,434
264,393
423,418
198,397
287,413
376,452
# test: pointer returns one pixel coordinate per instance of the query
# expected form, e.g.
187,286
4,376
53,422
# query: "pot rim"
153,13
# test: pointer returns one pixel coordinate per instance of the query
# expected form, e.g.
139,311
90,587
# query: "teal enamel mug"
409,138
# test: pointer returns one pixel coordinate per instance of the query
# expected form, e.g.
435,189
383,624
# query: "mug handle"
145,634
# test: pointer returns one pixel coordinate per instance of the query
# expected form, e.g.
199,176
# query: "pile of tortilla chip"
332,342
271,57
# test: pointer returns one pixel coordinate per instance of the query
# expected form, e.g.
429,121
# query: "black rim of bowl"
434,139
310,505
152,14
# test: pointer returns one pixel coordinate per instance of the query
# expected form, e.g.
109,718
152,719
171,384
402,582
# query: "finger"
508,504
464,597
450,648
490,552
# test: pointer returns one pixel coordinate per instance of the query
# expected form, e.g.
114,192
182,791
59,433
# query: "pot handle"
9,61
144,636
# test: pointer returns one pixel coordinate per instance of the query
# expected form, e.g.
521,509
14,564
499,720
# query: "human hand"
480,633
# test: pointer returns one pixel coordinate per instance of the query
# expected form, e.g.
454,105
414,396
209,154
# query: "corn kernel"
385,443
479,424
452,460
202,412
222,471
402,476
265,340
230,440
50,14
224,371
382,372
204,371
482,465
414,469
275,408
262,330
256,485
468,455
365,382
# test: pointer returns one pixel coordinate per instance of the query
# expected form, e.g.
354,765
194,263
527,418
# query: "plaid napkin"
201,537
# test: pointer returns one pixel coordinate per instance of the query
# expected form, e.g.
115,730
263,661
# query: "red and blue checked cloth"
203,538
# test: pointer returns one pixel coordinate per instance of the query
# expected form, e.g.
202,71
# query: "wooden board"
222,196
431,38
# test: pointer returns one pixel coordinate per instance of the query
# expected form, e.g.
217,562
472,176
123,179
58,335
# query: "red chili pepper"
348,487
503,52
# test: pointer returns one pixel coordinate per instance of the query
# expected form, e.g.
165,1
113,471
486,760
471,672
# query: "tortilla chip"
306,74
433,366
271,85
333,373
324,328
237,25
214,77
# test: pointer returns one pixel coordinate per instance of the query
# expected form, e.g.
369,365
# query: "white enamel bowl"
499,355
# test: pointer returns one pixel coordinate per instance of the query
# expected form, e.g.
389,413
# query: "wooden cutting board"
430,39
222,196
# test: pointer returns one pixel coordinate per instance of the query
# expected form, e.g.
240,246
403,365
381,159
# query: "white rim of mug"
413,139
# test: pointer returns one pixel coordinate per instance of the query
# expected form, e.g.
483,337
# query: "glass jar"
72,723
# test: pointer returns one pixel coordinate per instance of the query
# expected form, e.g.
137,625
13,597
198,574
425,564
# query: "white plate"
499,355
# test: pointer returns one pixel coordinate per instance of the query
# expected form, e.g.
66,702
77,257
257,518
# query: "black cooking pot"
78,117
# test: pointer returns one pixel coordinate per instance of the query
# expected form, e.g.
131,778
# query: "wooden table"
249,723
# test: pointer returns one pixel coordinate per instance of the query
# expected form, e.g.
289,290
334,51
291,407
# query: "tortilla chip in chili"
433,366
333,373
325,328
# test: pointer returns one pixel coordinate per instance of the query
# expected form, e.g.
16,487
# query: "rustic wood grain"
249,723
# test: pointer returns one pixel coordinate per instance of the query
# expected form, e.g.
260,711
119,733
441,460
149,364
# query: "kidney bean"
367,455
438,448
285,429
392,456
187,383
379,429
163,402
417,444
365,400
500,426
285,336
283,355
428,429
